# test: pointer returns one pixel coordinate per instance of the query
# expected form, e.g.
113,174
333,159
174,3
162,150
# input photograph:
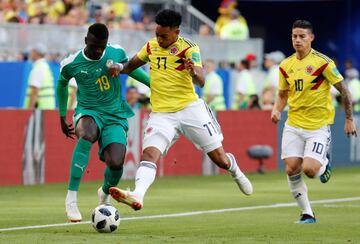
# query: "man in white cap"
40,93
271,63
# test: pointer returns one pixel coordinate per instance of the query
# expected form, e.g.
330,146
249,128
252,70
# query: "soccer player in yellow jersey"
175,65
304,84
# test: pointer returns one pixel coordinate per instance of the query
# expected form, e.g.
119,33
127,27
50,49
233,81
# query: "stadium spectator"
40,92
132,97
205,30
225,9
213,90
306,135
253,102
176,109
235,29
244,86
271,63
257,74
353,82
100,115
267,99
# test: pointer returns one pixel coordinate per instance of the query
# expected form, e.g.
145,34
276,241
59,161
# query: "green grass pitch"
338,221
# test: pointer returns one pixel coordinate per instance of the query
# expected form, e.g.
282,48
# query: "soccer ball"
105,218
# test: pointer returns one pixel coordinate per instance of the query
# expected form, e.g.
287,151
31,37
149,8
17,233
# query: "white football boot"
103,197
72,212
129,198
239,177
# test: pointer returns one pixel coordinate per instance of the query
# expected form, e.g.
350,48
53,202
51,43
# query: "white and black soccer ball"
105,218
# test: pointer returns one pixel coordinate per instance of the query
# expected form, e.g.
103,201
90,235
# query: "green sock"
111,178
79,162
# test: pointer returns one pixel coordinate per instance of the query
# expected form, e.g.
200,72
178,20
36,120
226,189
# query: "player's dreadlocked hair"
168,18
99,30
303,24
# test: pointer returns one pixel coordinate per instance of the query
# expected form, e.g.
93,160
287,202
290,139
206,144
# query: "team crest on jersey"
309,69
173,50
109,62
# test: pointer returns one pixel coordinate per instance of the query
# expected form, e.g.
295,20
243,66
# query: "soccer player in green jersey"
100,115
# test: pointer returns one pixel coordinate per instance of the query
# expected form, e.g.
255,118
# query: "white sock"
145,176
234,168
299,191
322,169
71,196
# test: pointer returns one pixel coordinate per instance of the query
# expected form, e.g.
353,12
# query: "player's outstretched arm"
349,128
140,75
125,68
279,106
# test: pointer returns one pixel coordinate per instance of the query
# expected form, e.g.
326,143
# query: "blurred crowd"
116,14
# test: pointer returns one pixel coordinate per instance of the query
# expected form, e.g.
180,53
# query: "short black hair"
168,18
303,24
99,31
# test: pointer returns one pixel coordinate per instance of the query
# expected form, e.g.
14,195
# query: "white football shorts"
196,122
297,142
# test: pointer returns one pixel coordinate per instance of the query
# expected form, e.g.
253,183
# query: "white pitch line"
276,205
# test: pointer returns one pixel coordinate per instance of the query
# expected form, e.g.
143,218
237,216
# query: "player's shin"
145,176
298,189
79,162
111,178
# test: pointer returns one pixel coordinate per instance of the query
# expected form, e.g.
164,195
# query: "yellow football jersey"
309,81
172,88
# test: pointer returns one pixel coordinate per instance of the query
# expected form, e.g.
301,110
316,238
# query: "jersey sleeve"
143,54
194,54
62,88
64,71
332,74
283,76
121,54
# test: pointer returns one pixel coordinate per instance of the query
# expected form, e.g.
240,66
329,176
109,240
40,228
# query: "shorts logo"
309,69
148,130
173,50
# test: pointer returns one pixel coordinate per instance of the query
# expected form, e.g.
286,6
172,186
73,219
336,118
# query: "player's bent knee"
292,170
151,154
115,164
310,172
